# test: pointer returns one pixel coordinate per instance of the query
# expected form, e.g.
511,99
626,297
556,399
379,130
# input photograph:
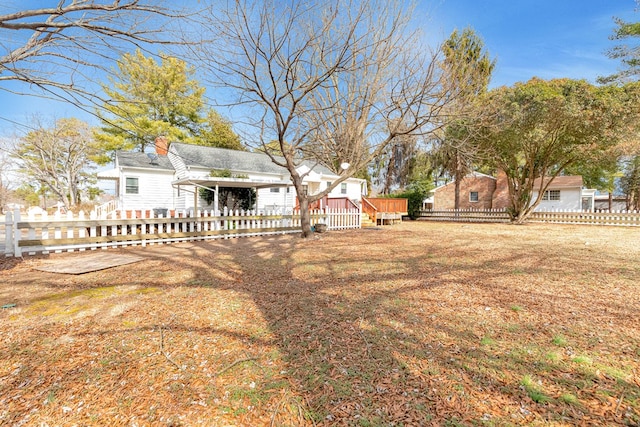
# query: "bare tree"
333,82
56,50
58,157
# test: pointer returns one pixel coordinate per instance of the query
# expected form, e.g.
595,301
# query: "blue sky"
543,38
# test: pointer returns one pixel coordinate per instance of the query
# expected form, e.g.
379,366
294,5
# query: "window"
275,189
551,195
343,188
473,196
131,185
328,184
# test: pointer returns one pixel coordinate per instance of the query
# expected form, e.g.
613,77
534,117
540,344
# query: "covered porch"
192,185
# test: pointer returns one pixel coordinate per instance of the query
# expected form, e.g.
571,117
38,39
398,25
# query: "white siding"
178,164
570,199
154,190
186,198
354,189
280,200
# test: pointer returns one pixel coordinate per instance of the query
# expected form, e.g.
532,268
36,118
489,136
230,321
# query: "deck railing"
340,203
385,209
389,205
370,209
72,232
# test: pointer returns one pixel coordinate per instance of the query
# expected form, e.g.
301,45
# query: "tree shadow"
376,333
366,345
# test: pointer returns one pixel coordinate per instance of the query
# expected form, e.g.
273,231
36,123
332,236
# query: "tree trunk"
458,177
72,191
305,216
520,218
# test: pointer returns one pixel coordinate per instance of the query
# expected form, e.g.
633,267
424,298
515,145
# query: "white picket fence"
70,232
623,218
619,218
466,215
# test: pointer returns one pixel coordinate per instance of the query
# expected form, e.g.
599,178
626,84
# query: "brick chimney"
162,145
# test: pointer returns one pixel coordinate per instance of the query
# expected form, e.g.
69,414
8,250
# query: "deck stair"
106,208
366,221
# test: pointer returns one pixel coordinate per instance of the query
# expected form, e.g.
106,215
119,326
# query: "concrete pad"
88,262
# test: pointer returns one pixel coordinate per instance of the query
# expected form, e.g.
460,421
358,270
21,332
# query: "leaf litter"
413,324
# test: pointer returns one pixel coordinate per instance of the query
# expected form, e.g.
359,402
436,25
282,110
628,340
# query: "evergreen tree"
469,66
150,99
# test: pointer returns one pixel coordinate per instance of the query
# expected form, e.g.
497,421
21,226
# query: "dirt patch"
415,324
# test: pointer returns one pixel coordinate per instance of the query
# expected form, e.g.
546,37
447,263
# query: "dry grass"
415,324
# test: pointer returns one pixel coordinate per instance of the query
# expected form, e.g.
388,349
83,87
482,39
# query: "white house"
142,181
565,193
171,179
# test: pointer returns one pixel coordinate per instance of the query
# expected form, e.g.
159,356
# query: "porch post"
256,200
196,190
215,201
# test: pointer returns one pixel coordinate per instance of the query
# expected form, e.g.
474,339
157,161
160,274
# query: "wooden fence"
76,232
623,218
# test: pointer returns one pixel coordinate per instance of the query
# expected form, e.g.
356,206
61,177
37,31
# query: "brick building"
476,192
480,191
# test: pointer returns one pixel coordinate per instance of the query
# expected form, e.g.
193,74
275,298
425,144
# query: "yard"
414,324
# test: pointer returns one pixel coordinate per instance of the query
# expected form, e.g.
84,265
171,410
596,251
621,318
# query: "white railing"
621,218
70,232
106,208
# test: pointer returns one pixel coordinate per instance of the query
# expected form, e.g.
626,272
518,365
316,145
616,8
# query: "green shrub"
415,197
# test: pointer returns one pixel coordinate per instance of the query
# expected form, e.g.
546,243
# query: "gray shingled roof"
234,160
142,160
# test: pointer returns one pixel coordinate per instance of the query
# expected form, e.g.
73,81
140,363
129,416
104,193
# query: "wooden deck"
384,210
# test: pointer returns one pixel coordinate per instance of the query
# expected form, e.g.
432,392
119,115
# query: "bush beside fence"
76,232
620,218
